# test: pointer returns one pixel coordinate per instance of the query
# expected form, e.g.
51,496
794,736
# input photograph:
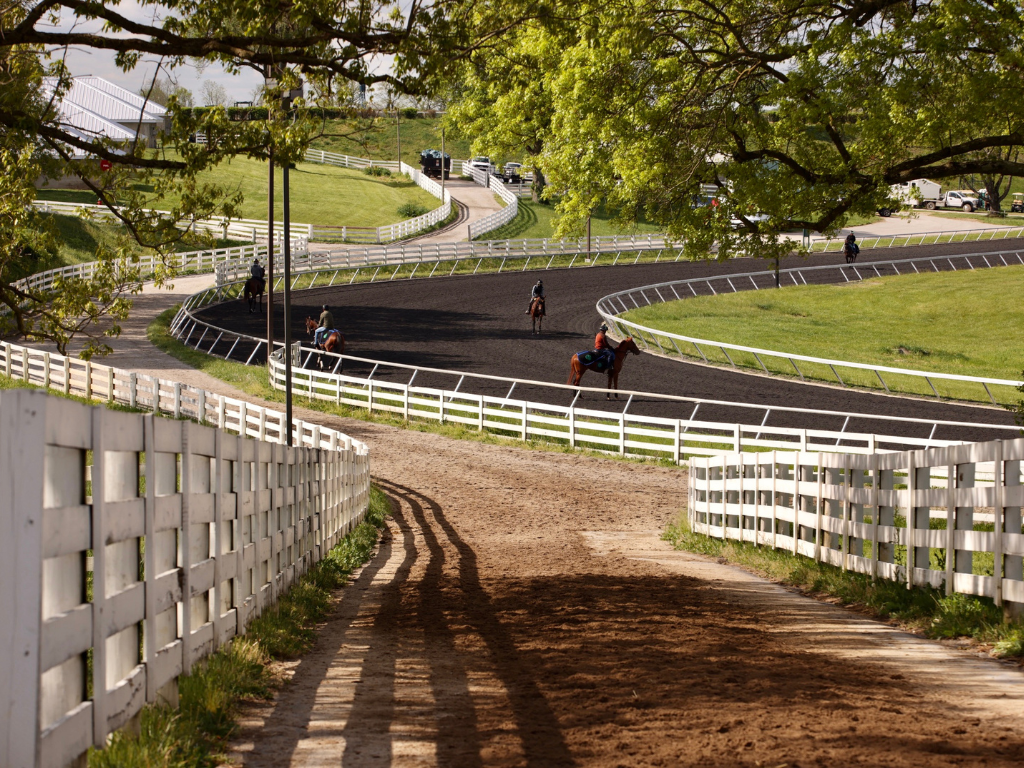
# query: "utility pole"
287,103
398,133
443,169
270,258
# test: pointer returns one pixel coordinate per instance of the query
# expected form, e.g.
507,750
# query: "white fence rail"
243,229
192,261
612,306
191,530
608,251
876,514
498,218
390,232
563,418
819,243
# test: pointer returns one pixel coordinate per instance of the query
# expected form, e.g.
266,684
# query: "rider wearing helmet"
536,293
601,339
257,271
326,324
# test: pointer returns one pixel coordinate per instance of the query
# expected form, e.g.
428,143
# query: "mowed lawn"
320,194
969,323
538,220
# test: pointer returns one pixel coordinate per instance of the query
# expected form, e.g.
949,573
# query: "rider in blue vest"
536,293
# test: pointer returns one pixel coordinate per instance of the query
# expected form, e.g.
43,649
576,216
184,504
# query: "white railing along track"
613,306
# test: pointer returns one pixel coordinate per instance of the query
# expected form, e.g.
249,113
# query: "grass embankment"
320,194
921,609
965,323
538,220
379,140
195,734
254,380
80,238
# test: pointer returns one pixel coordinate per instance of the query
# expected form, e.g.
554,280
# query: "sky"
239,87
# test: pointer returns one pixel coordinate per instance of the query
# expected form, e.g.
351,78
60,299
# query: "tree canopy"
805,111
327,43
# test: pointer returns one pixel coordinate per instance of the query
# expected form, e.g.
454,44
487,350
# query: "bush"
962,616
376,170
412,210
410,113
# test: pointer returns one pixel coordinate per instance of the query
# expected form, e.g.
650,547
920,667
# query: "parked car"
512,173
924,193
430,163
482,163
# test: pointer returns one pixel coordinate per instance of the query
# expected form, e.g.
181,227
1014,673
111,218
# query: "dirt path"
493,629
521,612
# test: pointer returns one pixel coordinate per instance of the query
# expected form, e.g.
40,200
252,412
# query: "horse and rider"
536,309
604,358
255,286
850,248
326,336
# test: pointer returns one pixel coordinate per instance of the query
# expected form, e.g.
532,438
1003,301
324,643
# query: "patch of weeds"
194,735
412,210
963,616
376,170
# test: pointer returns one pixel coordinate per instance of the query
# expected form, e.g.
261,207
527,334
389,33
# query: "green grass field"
379,140
320,194
80,238
967,323
538,220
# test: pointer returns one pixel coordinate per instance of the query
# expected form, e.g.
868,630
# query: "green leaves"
806,112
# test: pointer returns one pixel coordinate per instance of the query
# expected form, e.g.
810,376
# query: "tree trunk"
997,188
538,184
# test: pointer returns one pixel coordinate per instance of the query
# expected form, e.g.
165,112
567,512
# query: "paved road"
476,324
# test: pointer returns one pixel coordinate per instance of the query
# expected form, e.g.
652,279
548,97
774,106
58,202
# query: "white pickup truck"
927,194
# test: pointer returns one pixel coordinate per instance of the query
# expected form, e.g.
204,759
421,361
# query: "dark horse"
253,291
333,341
576,368
537,314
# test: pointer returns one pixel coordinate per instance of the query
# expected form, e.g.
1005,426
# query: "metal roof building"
94,108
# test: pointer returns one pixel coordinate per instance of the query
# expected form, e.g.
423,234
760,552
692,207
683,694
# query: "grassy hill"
320,194
379,140
537,220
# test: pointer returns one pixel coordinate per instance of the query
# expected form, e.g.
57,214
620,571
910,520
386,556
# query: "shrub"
962,616
412,210
376,170
410,113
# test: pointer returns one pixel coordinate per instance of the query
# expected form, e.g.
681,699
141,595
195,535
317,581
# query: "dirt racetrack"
476,324
489,631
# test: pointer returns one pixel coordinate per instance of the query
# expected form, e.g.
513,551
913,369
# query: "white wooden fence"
606,251
908,516
183,263
390,232
615,305
243,229
188,532
498,218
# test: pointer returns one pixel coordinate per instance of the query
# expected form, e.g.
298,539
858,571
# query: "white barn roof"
96,108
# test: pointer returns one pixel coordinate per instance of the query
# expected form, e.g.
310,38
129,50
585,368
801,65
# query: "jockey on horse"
602,347
325,326
537,293
258,272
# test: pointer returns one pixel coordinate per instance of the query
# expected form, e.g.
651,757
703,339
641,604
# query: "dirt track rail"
476,324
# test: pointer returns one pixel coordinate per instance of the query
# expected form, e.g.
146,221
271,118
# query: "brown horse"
537,314
253,291
576,368
333,342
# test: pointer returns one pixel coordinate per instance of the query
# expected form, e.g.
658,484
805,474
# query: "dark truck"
430,163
